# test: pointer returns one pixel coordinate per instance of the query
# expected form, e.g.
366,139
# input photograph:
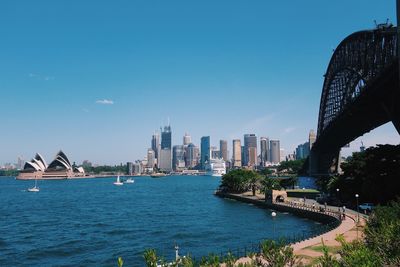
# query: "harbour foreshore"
306,211
346,226
74,177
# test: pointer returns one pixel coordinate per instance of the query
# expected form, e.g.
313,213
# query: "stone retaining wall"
305,212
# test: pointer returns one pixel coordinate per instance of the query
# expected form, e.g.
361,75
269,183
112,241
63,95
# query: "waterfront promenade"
309,248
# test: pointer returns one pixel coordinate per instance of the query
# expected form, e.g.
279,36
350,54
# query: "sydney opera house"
59,168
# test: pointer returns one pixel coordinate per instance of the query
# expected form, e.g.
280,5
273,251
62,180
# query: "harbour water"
91,222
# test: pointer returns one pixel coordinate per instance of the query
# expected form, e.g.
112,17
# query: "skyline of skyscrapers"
168,157
303,150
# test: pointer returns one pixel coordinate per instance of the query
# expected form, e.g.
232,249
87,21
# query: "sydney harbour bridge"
360,93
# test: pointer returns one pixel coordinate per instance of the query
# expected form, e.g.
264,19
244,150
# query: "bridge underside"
377,105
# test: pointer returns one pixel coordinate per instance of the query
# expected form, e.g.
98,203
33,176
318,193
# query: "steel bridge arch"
365,55
360,92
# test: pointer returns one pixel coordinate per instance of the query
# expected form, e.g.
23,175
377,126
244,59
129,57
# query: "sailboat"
118,182
35,188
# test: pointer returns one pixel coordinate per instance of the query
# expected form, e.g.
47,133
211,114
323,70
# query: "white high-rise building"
165,160
151,159
187,139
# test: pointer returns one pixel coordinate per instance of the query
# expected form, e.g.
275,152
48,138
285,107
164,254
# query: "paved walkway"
348,224
348,228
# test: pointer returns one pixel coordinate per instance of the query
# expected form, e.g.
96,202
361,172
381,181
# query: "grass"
332,250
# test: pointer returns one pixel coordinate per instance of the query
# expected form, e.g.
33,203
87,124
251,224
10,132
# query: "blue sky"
220,68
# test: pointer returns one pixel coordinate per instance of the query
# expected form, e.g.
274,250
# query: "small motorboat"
129,181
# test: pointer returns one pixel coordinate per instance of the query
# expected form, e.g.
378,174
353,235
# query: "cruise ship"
215,167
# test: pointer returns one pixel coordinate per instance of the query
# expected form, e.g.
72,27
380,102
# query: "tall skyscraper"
223,148
311,138
205,150
165,160
178,160
151,158
187,139
275,151
192,155
155,144
237,153
252,154
166,141
264,147
243,155
250,149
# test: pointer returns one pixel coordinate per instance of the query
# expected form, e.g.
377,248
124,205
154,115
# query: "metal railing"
255,248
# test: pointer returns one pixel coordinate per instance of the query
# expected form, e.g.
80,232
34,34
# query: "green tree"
289,182
265,172
186,261
254,182
229,260
277,254
373,174
269,183
211,260
382,232
150,257
291,166
326,260
237,181
357,254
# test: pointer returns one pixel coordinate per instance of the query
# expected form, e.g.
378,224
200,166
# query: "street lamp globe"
358,212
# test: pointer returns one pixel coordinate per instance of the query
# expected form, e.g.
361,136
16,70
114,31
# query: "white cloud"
257,125
48,78
288,130
40,77
105,102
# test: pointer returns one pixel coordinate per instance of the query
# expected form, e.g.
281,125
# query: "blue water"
91,222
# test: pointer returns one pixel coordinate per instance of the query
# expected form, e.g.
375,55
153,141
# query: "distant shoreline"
68,178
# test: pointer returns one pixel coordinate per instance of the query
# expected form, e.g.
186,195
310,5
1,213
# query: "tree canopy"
373,174
240,180
292,166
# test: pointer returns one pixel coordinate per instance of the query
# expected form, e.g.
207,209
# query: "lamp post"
273,214
337,196
358,214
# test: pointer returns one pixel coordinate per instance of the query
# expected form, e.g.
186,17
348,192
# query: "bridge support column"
323,163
